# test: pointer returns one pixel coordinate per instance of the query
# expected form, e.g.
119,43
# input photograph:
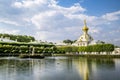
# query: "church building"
85,39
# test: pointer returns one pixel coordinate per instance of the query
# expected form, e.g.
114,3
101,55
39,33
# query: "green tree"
68,41
19,38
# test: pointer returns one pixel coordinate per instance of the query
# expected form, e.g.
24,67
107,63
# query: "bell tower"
85,39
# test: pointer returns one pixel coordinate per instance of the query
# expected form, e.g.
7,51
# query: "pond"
59,68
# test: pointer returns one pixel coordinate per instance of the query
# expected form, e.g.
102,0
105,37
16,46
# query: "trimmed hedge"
20,48
24,48
97,48
90,48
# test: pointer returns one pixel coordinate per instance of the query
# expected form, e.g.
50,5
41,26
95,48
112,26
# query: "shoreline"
89,55
67,55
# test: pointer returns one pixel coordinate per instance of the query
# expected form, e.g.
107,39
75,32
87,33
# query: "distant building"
60,44
6,39
40,42
85,39
116,51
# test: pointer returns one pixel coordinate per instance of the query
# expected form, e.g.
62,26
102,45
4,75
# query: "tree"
100,42
19,38
68,41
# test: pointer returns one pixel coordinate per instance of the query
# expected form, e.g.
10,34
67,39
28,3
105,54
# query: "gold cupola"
85,28
85,39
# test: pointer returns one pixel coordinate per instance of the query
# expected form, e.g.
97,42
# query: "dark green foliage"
90,48
97,48
19,38
68,41
26,44
67,49
24,48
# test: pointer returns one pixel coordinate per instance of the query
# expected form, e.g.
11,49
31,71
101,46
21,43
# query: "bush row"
16,50
10,49
90,48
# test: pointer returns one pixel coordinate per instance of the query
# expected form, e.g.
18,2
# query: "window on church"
80,44
83,44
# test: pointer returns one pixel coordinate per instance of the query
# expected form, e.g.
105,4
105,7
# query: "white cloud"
61,19
112,16
94,31
8,22
56,16
44,20
48,35
18,4
8,31
73,9
47,20
29,3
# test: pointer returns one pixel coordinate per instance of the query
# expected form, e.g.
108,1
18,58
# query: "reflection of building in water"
87,67
82,67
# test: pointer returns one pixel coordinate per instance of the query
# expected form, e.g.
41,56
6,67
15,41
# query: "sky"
57,20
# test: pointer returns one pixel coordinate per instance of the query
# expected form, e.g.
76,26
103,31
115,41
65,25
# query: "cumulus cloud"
43,35
112,16
8,22
29,3
46,20
8,31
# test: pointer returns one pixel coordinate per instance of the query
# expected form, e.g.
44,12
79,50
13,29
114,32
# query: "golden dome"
85,28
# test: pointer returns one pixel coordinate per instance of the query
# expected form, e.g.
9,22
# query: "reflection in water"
82,67
59,68
86,66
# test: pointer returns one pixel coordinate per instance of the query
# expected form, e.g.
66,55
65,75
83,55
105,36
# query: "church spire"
85,28
85,22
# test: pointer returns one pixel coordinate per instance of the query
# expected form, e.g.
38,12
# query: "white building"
85,39
6,39
60,44
116,51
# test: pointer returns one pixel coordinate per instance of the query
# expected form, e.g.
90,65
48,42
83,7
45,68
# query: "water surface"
59,68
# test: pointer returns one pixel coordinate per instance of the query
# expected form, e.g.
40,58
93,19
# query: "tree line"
91,48
19,38
68,41
48,49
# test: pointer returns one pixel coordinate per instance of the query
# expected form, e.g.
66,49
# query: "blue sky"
56,20
94,7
